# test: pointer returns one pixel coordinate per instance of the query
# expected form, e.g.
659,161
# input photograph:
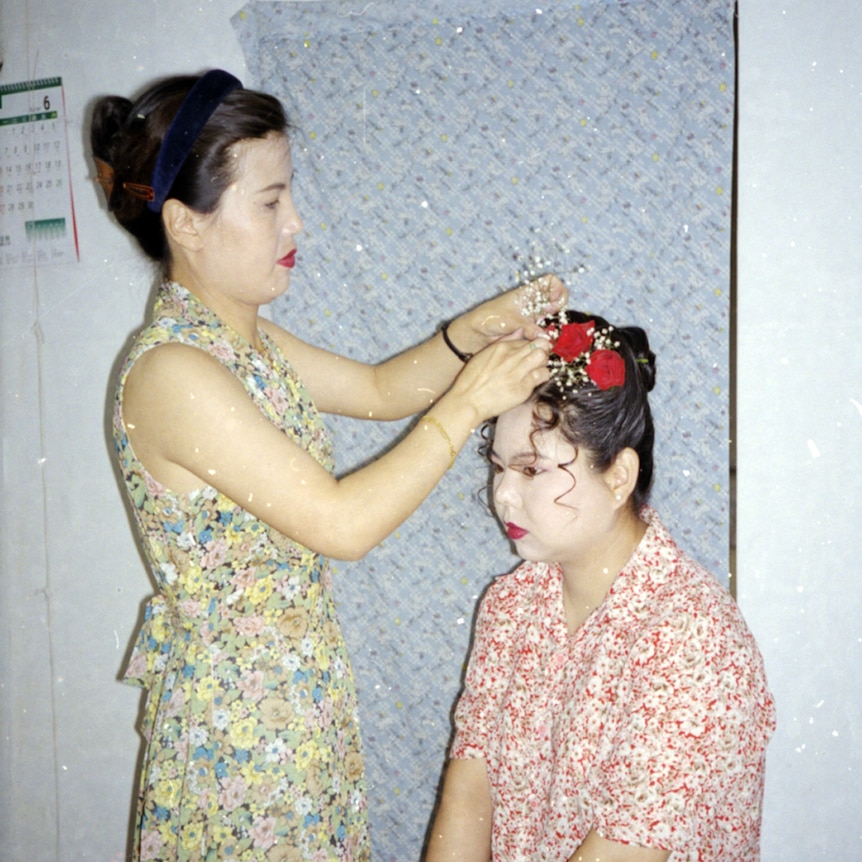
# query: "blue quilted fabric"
445,151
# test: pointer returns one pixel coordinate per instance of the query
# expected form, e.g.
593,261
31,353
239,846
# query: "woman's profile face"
249,241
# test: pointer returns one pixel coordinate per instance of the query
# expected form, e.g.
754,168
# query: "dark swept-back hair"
603,422
127,135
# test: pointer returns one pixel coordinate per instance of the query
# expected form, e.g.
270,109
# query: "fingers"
520,308
540,345
529,370
542,296
559,293
538,351
503,375
532,331
518,334
511,357
521,360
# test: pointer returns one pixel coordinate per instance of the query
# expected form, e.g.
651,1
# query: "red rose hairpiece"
582,355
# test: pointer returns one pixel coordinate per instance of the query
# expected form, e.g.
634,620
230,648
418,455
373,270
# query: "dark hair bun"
110,116
644,357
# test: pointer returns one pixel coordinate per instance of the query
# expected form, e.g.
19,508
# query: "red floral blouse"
648,725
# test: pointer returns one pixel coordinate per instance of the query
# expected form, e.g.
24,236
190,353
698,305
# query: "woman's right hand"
502,375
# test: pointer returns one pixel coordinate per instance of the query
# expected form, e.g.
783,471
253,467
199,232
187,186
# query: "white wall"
800,409
71,579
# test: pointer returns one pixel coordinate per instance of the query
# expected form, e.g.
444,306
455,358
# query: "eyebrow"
273,187
526,456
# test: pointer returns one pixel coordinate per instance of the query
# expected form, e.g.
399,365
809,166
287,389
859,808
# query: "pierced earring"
618,496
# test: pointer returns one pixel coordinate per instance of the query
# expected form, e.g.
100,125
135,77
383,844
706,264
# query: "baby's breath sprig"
535,296
534,270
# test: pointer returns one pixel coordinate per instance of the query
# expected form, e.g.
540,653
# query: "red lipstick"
514,532
289,260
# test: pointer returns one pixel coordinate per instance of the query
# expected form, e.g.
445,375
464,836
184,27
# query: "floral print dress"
252,739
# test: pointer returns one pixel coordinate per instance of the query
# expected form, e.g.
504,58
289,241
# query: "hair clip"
104,176
139,190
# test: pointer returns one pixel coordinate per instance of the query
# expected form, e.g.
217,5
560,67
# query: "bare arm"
462,826
598,849
193,424
412,381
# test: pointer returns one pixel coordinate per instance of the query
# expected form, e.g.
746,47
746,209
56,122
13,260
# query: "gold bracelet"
453,453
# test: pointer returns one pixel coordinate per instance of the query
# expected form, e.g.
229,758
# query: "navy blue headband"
208,92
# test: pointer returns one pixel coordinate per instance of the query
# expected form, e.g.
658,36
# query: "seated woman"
615,705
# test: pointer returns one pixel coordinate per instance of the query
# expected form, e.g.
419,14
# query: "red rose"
574,339
606,368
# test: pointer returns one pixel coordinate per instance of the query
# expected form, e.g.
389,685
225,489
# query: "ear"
183,226
622,476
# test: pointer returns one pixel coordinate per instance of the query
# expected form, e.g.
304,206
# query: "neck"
239,316
586,581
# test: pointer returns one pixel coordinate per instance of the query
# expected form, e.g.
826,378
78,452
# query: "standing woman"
252,743
615,707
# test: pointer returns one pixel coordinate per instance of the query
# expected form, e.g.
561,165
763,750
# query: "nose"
293,222
505,490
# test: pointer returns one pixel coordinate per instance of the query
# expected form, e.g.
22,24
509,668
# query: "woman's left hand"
519,308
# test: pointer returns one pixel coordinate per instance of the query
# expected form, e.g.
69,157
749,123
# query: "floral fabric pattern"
648,725
251,727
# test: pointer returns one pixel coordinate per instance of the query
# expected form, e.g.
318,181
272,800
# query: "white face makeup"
554,505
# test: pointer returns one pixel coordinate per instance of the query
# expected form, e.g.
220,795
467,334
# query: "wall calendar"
37,218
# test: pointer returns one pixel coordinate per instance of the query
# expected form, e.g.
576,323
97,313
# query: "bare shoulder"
175,398
193,424
174,387
168,367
